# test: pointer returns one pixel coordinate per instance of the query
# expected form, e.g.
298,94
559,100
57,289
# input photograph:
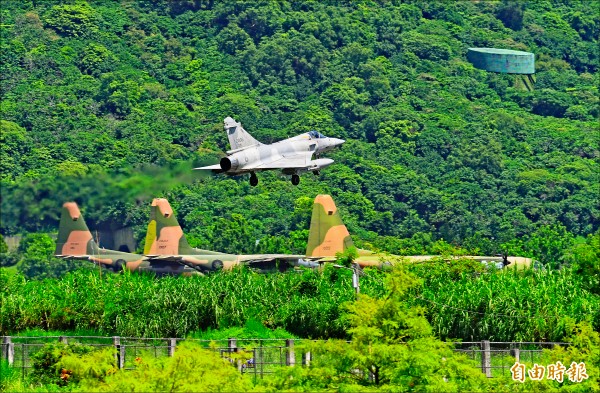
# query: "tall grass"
462,304
306,304
507,305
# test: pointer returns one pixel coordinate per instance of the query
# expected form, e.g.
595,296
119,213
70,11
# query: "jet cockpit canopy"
316,135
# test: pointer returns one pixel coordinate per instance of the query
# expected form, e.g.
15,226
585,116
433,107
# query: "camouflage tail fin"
238,137
74,237
328,234
164,235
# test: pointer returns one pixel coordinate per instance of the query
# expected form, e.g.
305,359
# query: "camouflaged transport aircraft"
328,236
75,241
165,241
292,156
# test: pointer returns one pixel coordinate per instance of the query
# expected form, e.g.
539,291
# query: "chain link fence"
258,357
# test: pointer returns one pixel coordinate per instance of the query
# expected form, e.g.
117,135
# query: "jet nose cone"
335,142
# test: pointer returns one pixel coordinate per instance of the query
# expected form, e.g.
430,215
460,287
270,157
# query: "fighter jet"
165,241
75,241
292,156
328,235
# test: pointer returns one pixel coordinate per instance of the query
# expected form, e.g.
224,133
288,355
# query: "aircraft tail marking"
238,137
328,235
74,237
164,235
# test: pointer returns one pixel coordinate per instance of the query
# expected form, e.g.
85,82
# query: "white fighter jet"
292,156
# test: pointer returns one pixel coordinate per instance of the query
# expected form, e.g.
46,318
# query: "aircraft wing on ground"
92,258
294,260
104,256
269,257
164,258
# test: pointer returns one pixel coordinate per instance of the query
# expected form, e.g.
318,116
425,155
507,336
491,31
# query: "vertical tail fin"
328,235
238,137
164,235
74,237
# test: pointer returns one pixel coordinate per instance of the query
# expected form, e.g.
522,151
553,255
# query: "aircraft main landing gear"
253,179
295,180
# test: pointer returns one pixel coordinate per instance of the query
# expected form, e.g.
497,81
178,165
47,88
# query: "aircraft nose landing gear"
295,180
253,179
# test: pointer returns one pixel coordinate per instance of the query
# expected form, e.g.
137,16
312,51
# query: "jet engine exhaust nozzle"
227,164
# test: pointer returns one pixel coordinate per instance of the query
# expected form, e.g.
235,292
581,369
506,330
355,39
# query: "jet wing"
78,257
103,256
215,168
294,260
269,257
164,258
296,161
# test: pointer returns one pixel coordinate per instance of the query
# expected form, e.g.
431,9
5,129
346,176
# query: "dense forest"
111,104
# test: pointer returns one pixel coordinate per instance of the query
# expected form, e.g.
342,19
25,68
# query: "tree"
584,257
96,59
79,20
15,146
392,347
37,261
510,12
191,369
549,243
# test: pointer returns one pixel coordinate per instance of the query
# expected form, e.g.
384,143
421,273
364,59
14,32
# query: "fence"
496,358
255,356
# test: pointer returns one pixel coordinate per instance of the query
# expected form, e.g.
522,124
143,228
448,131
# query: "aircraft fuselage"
263,157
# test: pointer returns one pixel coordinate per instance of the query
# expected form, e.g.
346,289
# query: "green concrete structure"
502,60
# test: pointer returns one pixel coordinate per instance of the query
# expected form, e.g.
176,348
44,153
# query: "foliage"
252,329
36,258
47,362
347,257
7,258
463,300
77,19
584,348
3,245
8,375
191,369
111,105
306,304
392,349
504,305
81,366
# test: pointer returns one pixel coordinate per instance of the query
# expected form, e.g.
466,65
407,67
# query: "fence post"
9,350
307,359
290,359
63,340
120,356
116,344
515,352
486,360
119,352
232,345
172,345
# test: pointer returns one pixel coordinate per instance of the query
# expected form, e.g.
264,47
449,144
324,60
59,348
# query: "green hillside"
112,104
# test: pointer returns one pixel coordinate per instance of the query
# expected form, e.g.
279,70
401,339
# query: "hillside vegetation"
392,346
111,104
